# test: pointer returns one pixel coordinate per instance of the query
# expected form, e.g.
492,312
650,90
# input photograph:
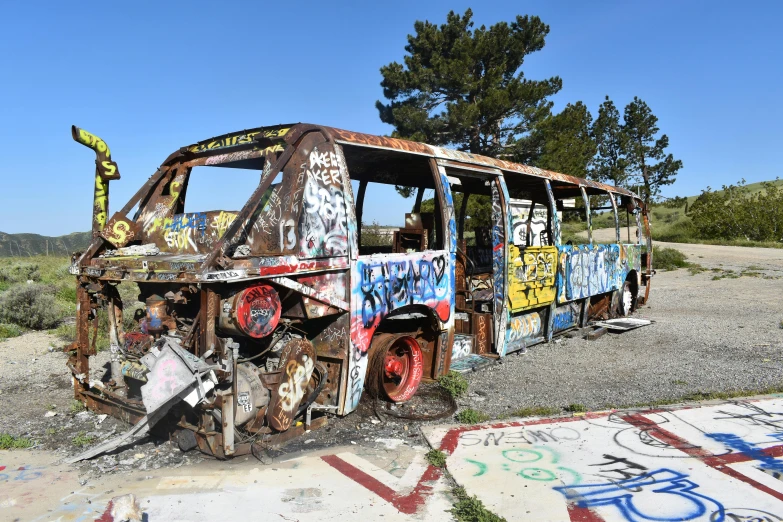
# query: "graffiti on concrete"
676,498
711,464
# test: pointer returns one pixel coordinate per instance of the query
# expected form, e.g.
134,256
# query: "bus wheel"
627,299
396,366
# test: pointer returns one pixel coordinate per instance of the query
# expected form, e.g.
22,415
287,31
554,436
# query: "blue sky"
149,77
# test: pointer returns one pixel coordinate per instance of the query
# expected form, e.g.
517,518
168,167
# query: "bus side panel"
531,277
384,283
588,270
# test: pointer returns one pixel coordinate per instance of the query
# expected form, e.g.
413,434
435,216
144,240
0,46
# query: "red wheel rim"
402,369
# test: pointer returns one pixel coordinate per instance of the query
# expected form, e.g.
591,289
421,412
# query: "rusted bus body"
283,308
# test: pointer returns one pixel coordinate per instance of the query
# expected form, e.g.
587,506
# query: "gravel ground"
708,335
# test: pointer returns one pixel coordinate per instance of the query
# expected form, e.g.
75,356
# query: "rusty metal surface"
369,140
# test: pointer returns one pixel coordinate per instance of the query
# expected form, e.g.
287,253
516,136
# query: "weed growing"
436,457
77,406
471,509
471,416
82,439
8,441
535,411
454,383
575,408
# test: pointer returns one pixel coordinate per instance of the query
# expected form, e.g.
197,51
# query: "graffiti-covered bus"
286,307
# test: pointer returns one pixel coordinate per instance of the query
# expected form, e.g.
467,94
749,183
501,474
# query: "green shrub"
9,330
737,212
454,383
668,259
471,509
8,441
67,292
20,272
66,332
30,305
77,406
471,416
576,408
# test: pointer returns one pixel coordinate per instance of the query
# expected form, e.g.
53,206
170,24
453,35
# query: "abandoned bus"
251,317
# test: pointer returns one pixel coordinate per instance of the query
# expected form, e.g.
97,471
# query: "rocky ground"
711,333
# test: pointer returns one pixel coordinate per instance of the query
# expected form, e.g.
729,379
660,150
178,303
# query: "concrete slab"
389,479
720,462
717,462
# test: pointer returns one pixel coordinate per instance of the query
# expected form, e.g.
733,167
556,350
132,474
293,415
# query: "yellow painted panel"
531,276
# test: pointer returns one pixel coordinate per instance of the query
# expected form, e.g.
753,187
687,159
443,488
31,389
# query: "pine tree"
465,87
610,164
567,144
645,153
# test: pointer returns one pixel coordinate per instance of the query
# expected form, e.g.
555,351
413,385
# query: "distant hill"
34,244
753,187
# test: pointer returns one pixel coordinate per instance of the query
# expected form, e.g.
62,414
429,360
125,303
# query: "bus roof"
290,132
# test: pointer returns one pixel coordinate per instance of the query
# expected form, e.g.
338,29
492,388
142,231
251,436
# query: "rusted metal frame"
502,316
446,206
215,160
616,218
586,199
310,292
459,165
463,209
648,268
210,308
419,197
253,135
553,224
248,210
142,193
116,333
352,224
379,142
360,210
117,407
554,221
82,362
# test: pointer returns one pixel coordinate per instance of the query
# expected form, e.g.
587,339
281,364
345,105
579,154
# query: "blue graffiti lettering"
680,502
386,286
752,451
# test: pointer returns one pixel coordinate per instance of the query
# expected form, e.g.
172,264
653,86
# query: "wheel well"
420,322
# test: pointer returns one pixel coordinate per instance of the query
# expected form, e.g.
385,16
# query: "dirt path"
709,255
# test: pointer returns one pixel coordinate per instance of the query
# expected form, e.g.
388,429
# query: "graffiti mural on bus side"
587,270
524,328
386,283
323,228
531,277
